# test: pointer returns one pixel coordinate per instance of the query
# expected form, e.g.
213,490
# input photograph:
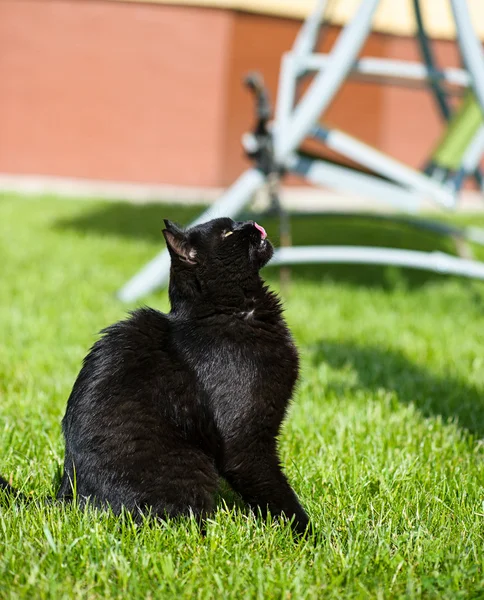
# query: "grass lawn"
383,443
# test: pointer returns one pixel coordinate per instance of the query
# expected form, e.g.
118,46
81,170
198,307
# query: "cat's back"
144,331
144,338
131,354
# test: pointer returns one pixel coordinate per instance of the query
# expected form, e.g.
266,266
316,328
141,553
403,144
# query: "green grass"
383,443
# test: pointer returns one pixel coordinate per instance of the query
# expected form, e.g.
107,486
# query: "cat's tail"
11,494
10,490
6,487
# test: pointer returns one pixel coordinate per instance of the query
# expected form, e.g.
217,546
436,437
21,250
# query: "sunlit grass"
383,442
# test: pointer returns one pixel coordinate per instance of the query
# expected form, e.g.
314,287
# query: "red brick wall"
151,93
105,90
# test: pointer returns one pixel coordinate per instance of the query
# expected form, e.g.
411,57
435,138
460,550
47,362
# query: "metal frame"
471,158
397,183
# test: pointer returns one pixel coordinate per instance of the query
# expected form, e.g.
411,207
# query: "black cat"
166,404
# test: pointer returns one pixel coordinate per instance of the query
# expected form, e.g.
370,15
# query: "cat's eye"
227,233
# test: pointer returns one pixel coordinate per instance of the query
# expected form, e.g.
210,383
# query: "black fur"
6,487
165,404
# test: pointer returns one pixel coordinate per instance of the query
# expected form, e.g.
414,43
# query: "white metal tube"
308,34
433,261
383,67
346,180
286,92
238,195
326,84
470,47
389,167
473,154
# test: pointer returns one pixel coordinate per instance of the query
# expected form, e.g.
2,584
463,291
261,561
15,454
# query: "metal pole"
470,48
327,83
346,180
474,152
286,93
392,69
433,261
385,165
307,37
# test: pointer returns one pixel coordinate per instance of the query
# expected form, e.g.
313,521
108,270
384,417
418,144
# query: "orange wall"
105,90
152,93
403,122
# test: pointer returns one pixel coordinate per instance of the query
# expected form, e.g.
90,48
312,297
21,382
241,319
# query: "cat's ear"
178,244
172,227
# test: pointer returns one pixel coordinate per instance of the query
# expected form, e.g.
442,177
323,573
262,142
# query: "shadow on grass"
146,221
432,395
136,221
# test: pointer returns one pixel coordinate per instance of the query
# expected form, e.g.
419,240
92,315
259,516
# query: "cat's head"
220,249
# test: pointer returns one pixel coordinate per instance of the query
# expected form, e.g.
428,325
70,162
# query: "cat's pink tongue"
262,231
